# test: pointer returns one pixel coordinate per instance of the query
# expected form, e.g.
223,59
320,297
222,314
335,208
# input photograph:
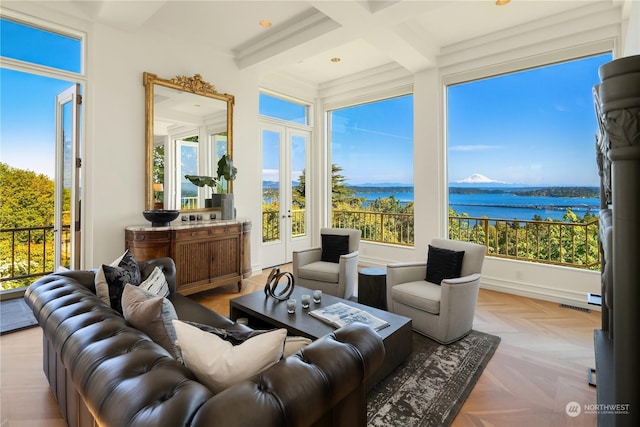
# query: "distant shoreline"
586,192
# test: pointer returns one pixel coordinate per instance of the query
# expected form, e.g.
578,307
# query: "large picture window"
523,178
372,169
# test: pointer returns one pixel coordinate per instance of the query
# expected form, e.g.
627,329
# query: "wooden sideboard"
207,254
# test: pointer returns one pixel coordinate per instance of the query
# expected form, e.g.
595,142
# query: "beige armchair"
332,268
443,312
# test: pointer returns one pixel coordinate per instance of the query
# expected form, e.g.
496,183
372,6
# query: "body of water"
503,205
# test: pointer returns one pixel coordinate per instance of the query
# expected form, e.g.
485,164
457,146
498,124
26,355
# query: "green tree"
342,195
26,200
300,191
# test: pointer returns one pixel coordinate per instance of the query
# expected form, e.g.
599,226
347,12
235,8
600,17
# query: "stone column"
620,109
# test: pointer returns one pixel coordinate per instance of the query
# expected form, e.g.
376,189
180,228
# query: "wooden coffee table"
265,312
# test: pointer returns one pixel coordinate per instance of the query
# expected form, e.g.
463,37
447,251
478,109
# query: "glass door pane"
67,193
67,185
188,165
270,185
298,185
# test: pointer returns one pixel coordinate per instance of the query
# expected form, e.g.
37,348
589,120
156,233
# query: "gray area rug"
431,386
15,315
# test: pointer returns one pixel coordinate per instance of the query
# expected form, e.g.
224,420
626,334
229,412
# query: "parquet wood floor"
539,367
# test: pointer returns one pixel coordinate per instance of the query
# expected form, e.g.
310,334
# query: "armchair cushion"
443,264
422,295
320,271
333,246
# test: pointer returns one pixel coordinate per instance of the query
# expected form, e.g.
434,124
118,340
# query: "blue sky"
534,127
28,101
373,143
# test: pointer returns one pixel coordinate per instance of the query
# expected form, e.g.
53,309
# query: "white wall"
115,141
632,33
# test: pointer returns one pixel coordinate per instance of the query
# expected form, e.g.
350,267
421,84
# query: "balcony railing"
383,227
569,244
28,252
271,224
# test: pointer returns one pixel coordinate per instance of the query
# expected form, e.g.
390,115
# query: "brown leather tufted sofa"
104,372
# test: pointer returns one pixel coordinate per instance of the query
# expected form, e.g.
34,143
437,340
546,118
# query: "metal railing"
28,252
570,244
189,202
271,224
383,227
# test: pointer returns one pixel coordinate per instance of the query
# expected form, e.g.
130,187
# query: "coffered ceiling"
306,35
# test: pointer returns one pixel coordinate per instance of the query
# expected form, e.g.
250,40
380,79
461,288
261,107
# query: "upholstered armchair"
332,268
442,311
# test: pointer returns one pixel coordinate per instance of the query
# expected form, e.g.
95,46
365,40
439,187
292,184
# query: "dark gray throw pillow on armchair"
443,264
333,246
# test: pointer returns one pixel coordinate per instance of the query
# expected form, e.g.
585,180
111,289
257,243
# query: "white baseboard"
531,290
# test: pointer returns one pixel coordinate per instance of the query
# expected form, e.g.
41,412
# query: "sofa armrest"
301,389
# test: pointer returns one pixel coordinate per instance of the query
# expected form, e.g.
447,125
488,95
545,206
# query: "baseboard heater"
573,307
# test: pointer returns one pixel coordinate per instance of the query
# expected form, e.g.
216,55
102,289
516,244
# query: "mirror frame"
193,85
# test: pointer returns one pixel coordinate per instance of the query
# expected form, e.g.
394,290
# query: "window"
372,169
521,163
283,109
39,46
41,84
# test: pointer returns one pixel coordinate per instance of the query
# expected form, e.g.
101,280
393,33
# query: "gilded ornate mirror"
189,127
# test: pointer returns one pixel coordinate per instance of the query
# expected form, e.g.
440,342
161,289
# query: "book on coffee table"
340,314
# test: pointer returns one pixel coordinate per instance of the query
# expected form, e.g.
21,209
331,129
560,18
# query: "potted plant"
226,172
201,181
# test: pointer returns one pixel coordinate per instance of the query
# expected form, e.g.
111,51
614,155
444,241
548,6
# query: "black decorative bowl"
161,217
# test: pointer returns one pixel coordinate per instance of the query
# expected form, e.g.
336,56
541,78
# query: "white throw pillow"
294,344
156,283
218,364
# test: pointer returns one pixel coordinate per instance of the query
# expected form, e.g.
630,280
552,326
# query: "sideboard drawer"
207,232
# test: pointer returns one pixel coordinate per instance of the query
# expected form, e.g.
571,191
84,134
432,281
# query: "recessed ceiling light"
265,23
502,2
336,59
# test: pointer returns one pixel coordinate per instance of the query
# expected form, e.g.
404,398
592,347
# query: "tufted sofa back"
103,371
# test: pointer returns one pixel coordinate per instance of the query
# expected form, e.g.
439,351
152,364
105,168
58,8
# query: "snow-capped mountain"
477,178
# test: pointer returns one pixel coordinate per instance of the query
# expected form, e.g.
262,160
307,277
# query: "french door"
285,207
67,181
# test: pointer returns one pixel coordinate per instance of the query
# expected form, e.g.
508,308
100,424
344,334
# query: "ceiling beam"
389,29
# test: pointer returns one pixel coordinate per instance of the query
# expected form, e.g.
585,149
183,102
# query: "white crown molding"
548,25
363,84
517,49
